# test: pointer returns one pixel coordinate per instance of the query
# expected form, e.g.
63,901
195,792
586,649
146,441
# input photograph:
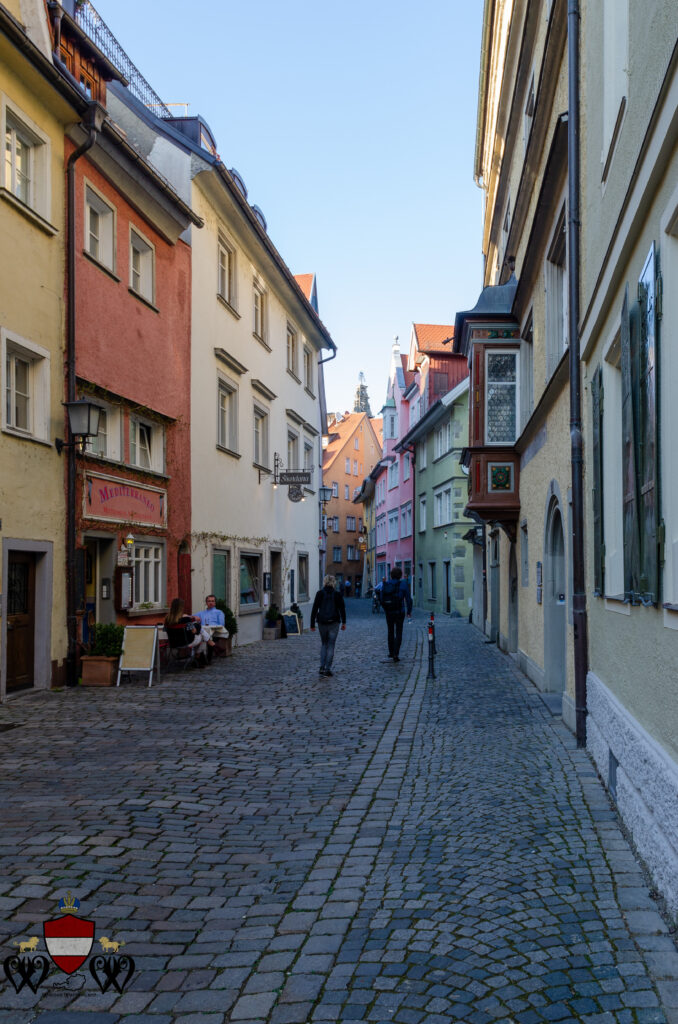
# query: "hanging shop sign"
295,494
114,498
300,477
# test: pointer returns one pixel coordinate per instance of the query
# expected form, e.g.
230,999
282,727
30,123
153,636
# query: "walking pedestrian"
395,598
330,611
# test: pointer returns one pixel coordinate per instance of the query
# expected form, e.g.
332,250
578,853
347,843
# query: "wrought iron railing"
91,22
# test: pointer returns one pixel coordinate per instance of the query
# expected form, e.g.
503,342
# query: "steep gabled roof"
340,433
408,374
305,282
430,337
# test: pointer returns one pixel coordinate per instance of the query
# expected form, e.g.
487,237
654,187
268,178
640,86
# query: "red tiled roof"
305,282
430,337
343,430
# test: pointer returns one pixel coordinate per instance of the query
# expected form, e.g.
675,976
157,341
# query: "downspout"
92,122
329,358
579,619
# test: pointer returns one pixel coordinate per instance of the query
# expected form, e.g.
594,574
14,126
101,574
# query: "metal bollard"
431,653
433,627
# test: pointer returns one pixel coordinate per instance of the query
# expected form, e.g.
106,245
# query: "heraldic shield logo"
68,938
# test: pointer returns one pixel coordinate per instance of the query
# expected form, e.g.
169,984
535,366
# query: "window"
439,384
432,581
308,456
292,450
141,271
221,575
406,520
526,373
308,369
146,445
148,574
422,514
442,440
335,489
350,523
302,576
528,113
556,297
26,386
350,553
422,454
227,415
392,475
335,524
393,525
292,350
356,443
27,165
226,271
347,465
355,468
501,384
106,444
259,312
346,492
442,507
406,466
250,582
99,229
336,554
260,436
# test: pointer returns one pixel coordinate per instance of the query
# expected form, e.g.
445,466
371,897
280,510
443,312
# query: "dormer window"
501,399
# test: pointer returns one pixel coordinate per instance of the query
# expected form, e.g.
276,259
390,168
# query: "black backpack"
391,597
327,612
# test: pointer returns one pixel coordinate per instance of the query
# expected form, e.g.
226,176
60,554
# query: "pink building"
394,486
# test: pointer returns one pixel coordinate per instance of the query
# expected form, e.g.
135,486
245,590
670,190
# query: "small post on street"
431,653
433,627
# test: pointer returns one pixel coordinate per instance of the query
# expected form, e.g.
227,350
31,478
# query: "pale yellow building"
36,105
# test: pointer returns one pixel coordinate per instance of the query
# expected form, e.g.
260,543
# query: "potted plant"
272,623
100,664
231,624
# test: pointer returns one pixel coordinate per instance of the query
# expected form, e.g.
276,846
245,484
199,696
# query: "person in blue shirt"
395,599
213,623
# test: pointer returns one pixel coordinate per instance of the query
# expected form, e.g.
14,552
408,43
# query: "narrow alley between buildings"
276,846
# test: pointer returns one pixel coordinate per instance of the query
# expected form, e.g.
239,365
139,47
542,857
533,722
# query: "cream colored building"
36,105
629,337
516,342
255,385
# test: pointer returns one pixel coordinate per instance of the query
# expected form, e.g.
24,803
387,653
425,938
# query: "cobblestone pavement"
275,846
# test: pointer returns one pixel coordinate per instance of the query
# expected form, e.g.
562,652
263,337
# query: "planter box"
98,670
271,633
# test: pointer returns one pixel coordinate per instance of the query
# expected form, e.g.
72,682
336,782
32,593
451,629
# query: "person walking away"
395,599
329,611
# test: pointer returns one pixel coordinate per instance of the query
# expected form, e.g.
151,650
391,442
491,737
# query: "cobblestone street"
276,846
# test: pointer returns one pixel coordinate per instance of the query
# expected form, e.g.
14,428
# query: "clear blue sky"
353,126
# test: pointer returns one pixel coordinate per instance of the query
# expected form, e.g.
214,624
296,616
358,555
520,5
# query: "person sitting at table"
176,617
214,625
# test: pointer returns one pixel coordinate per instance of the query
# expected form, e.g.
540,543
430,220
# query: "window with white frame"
106,444
141,266
442,506
226,275
393,525
355,467
350,553
259,318
422,514
260,436
423,447
335,524
347,465
227,414
335,489
381,530
308,456
148,574
146,444
392,475
350,523
501,396
302,577
406,466
292,350
27,162
336,554
406,520
347,494
26,369
555,274
308,370
292,450
99,229
356,443
442,440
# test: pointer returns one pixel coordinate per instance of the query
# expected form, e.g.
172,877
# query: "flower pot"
270,632
98,670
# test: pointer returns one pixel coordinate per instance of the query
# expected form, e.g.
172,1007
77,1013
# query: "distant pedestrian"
330,612
347,586
395,598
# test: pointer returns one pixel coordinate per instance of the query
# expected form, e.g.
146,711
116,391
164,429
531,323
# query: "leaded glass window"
501,404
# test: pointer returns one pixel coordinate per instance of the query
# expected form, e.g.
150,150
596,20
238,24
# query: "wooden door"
448,602
20,620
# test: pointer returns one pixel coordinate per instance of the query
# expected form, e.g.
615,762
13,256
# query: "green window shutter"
647,435
597,415
219,568
629,433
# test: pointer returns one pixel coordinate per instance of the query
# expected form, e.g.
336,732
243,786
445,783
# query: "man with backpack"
395,597
329,610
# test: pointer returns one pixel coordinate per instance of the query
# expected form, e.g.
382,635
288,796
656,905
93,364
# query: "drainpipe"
92,122
576,438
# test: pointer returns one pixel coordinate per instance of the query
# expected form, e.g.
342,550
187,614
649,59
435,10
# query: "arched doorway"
513,601
555,607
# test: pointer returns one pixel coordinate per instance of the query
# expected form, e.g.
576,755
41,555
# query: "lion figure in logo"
108,946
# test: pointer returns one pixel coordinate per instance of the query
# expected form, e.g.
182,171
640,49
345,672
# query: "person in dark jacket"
395,598
330,611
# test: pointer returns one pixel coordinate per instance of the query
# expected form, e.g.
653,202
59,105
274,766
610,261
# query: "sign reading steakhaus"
298,477
113,498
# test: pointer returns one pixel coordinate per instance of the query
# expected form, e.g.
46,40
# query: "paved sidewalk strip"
273,846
